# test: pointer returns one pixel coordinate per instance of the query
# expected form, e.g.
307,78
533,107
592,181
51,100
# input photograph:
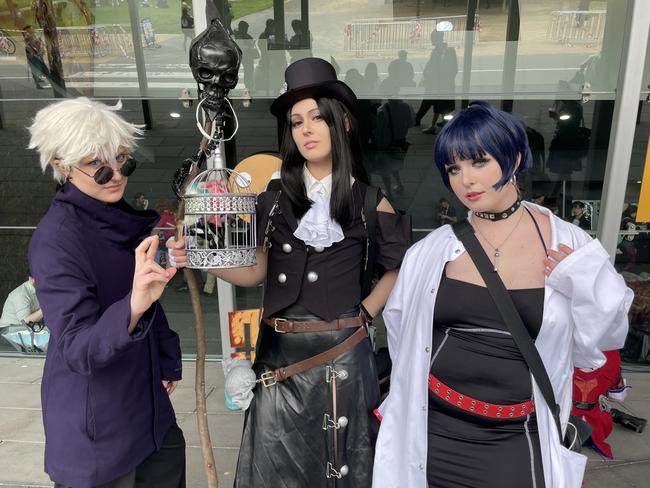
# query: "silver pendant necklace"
497,252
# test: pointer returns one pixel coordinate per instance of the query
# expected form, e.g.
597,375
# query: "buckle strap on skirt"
270,378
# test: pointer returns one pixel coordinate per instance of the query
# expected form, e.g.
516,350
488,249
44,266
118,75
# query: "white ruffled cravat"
316,228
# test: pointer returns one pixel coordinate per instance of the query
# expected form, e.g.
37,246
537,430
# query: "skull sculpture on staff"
219,208
215,60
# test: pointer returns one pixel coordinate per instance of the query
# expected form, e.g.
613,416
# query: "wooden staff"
209,464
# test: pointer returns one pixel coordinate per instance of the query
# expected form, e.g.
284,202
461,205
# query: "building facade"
575,71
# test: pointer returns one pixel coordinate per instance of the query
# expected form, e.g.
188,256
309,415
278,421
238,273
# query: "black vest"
325,281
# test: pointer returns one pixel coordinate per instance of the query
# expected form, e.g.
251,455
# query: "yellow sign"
643,213
244,326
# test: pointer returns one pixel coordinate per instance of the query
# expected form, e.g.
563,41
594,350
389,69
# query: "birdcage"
219,221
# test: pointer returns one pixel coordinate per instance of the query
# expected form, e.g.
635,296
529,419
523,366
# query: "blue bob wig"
482,129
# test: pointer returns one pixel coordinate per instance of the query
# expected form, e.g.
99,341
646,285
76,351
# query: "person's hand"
149,278
176,252
170,386
555,257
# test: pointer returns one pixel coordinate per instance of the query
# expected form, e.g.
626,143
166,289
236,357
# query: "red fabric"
587,387
167,221
378,414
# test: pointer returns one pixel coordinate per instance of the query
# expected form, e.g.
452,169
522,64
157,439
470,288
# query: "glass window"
633,250
413,65
432,50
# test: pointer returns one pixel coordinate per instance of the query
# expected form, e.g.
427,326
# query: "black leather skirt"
310,430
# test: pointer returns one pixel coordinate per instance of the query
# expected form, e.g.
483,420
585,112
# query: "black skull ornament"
214,59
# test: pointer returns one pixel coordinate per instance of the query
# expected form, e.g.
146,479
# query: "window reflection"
413,65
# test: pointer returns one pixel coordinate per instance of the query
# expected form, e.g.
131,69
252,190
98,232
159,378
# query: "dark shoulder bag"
581,429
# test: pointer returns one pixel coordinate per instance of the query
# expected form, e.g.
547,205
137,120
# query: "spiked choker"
500,215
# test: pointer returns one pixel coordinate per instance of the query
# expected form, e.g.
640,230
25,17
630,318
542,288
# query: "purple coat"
104,407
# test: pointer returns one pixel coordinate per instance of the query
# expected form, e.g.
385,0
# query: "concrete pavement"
21,431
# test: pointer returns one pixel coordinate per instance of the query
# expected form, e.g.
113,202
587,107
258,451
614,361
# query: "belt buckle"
267,379
275,325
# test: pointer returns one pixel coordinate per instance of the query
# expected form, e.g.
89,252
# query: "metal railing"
576,26
89,41
95,41
390,34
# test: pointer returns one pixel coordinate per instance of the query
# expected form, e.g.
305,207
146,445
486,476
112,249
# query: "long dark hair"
346,162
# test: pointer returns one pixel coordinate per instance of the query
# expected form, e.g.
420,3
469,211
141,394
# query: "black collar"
500,215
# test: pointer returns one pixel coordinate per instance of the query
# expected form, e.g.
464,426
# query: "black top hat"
311,78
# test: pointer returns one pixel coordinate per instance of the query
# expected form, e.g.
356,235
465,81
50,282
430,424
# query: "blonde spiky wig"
74,129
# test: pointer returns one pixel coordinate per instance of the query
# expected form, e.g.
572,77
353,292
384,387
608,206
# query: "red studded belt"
479,407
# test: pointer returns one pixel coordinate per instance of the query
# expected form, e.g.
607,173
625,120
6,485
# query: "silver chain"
497,254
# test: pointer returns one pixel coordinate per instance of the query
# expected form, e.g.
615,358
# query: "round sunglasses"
105,174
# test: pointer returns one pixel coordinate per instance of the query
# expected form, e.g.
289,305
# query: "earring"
513,180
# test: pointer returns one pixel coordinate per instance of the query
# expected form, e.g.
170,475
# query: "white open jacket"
585,312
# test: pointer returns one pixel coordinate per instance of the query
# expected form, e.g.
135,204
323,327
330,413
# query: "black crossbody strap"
465,232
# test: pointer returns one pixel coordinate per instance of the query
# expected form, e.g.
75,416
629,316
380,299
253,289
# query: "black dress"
475,355
290,439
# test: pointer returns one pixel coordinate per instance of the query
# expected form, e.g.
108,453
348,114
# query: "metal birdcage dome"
220,230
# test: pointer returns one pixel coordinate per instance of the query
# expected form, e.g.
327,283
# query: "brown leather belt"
286,325
270,378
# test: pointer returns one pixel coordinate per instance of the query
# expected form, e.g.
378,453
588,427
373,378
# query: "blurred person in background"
21,305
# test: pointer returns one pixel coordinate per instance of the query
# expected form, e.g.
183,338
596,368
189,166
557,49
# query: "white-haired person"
112,360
